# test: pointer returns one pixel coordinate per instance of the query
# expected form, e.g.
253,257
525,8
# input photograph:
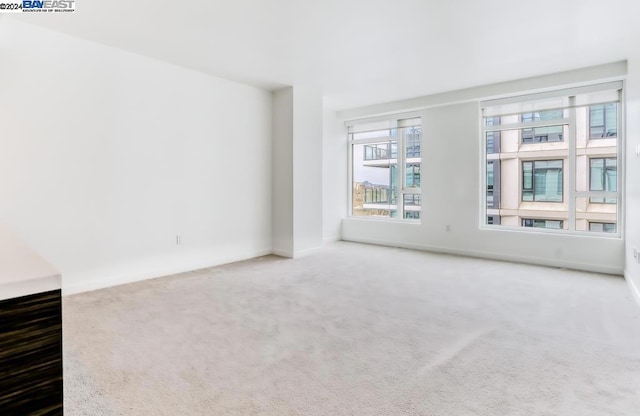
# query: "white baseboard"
635,289
132,277
282,253
589,267
295,254
328,240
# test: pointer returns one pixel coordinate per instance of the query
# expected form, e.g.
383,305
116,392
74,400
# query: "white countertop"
22,271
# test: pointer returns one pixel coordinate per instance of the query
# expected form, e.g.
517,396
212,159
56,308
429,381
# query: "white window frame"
570,165
394,121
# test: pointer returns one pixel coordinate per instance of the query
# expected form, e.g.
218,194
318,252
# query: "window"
493,137
542,181
386,161
542,134
493,184
542,115
603,177
493,219
602,227
603,121
490,184
493,142
413,175
536,223
541,168
414,143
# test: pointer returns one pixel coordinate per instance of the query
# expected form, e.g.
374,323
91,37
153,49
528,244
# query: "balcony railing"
380,151
387,151
379,195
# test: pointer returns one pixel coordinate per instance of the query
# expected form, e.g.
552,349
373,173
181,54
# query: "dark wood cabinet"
31,355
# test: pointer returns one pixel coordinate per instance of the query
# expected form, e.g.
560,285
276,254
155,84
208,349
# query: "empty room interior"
319,208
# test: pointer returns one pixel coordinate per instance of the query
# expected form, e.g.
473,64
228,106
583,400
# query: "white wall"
307,168
451,198
282,173
297,170
106,156
632,229
334,172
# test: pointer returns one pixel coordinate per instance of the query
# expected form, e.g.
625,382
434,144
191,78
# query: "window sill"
383,219
549,231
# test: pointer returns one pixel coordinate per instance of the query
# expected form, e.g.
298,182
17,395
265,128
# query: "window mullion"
401,171
571,165
620,176
350,174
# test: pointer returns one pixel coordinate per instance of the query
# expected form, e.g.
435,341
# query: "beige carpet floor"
356,330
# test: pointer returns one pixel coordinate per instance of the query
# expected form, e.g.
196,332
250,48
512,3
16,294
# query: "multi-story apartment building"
528,168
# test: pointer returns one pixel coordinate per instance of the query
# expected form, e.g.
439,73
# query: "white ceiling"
363,51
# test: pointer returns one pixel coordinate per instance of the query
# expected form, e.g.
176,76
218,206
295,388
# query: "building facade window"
541,168
547,134
493,184
542,181
603,174
538,223
493,219
386,159
493,142
542,115
542,134
490,177
413,175
603,227
603,121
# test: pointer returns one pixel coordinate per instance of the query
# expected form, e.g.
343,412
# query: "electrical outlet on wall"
178,240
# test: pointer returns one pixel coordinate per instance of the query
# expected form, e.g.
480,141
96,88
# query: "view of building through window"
386,164
552,163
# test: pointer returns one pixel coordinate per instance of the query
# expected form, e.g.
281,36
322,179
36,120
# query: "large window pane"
374,184
386,173
530,143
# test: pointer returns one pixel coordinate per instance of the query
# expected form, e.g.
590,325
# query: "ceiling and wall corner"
362,52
